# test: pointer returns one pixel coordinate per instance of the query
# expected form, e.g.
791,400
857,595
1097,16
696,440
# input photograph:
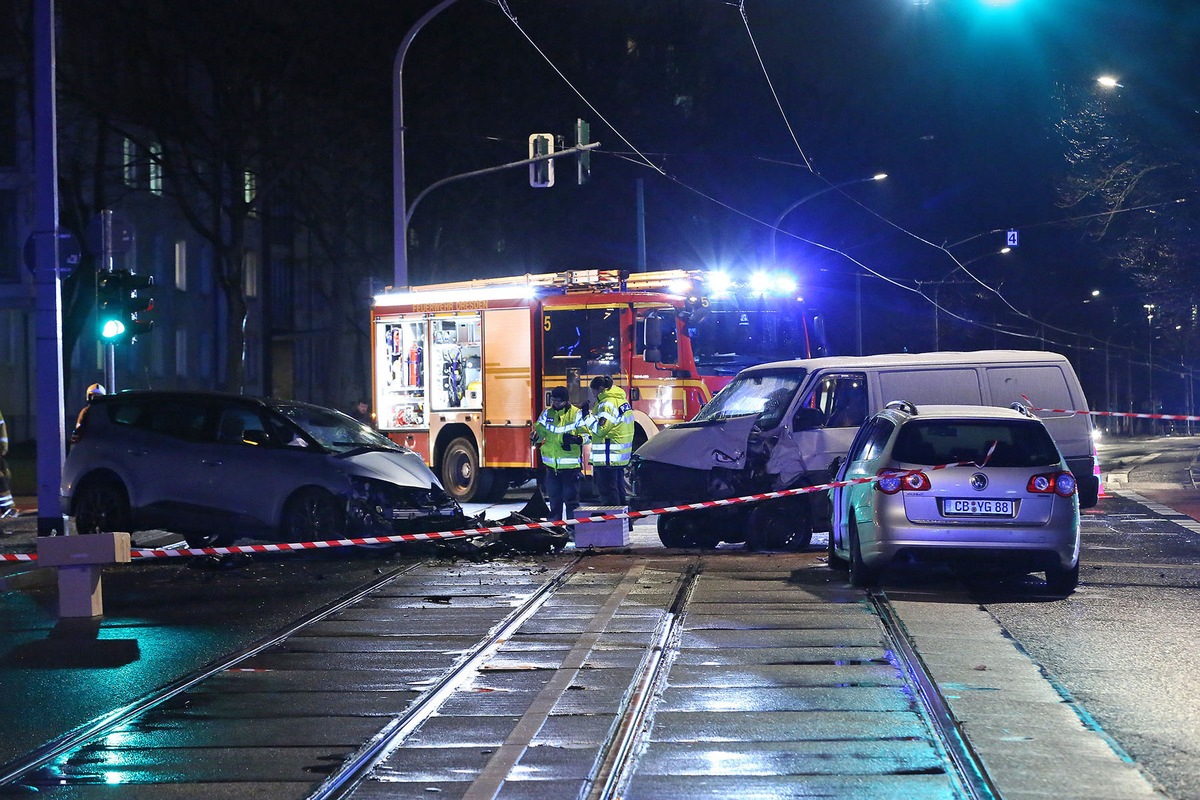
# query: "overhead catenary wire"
641,158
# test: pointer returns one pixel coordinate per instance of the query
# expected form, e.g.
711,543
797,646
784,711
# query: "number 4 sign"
1012,238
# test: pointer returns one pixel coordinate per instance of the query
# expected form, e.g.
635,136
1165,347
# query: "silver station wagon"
217,467
956,483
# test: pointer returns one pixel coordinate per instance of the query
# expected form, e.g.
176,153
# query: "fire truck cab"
462,370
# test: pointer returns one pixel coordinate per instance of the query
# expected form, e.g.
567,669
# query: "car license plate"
977,508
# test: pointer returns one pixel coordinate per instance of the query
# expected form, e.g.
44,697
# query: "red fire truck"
462,370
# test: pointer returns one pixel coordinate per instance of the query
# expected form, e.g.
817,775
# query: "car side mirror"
808,419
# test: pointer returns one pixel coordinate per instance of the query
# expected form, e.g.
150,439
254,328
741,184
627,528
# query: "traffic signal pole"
110,349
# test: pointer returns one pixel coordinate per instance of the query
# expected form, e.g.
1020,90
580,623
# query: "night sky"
986,117
957,100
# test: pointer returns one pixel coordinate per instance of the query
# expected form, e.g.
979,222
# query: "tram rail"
672,648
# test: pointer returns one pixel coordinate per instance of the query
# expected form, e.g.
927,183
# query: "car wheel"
861,575
779,526
102,506
461,475
209,539
686,530
1062,581
313,515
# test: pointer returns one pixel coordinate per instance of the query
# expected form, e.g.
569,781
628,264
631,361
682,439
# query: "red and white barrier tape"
465,533
1127,414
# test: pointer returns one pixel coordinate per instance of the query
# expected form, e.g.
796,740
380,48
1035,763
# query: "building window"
9,247
250,274
8,123
205,283
129,162
181,276
181,365
250,186
155,168
205,364
12,337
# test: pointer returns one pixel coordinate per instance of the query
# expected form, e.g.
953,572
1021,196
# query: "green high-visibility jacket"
612,429
550,427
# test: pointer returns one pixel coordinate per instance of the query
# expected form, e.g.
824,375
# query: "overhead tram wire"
513,19
771,86
741,5
644,160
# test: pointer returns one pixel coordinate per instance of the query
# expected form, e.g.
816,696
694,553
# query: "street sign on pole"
68,253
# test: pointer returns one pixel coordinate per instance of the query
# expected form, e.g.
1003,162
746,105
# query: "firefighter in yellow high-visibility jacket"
612,440
560,433
8,507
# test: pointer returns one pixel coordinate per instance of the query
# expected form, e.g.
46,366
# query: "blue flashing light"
785,284
719,283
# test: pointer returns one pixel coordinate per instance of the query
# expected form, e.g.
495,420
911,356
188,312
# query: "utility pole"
51,417
400,208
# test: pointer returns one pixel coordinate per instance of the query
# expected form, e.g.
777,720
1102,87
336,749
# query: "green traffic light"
112,329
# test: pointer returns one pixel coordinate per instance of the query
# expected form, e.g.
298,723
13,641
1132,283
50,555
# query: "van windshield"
766,395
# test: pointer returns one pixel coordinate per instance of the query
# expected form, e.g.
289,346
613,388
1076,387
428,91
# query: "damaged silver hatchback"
218,467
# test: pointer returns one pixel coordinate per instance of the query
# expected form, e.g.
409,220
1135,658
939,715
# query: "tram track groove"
966,762
359,766
13,771
694,664
614,765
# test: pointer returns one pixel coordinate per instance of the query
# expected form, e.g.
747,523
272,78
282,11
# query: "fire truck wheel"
461,475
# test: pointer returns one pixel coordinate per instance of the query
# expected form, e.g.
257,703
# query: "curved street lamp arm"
806,198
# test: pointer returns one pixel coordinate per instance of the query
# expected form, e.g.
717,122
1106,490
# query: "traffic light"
123,305
139,304
583,159
110,311
541,173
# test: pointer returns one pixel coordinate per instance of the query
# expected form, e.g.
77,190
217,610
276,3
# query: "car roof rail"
1024,409
906,406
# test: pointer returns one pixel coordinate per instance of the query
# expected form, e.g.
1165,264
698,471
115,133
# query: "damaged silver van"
782,425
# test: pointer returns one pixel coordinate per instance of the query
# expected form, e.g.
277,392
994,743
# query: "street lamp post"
399,210
1042,325
1150,358
778,220
857,276
937,290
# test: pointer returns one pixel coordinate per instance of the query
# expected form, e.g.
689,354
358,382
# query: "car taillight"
1060,483
892,481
